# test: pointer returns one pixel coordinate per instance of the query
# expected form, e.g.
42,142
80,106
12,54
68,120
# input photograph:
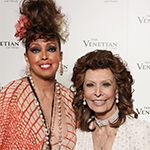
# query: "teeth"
45,66
99,102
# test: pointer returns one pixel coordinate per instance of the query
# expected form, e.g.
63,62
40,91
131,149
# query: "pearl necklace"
59,115
109,120
48,131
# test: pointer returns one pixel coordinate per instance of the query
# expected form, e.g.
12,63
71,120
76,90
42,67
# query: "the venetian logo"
143,66
94,42
11,1
143,111
144,19
9,44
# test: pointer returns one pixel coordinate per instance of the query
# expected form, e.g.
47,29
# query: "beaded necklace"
48,131
59,115
109,120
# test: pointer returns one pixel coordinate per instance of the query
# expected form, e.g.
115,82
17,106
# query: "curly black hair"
45,20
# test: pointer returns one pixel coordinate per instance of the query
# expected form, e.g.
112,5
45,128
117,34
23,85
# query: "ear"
61,56
116,91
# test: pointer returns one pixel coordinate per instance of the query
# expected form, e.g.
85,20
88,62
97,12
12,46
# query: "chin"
48,77
101,112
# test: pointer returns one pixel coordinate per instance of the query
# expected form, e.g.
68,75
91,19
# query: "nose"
98,92
44,55
98,95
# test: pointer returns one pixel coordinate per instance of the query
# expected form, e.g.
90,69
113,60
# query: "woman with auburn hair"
104,106
36,111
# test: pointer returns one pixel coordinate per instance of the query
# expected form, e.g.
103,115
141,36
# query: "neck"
44,88
109,120
43,84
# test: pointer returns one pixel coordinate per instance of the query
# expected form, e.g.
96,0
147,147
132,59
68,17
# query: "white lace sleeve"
84,140
134,134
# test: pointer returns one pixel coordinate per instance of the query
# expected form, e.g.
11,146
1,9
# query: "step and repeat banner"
122,26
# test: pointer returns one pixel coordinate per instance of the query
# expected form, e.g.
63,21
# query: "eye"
89,84
51,49
106,84
35,49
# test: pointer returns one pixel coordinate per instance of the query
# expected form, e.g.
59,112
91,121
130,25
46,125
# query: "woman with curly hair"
36,111
104,106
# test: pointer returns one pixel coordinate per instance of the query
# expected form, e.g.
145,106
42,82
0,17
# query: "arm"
3,115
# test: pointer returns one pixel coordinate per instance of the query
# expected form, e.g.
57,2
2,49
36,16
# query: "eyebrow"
111,80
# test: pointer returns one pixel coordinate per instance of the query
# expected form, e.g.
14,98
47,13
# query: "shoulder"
82,134
133,134
66,92
84,139
11,90
137,122
67,98
137,127
15,84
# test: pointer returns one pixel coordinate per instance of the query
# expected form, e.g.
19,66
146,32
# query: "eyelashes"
49,49
35,50
105,84
89,84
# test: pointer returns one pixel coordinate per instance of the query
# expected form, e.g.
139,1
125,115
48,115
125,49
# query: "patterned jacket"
21,127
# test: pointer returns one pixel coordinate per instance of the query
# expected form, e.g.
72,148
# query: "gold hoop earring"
61,68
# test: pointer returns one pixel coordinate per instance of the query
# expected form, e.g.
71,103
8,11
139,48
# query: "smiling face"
43,58
100,90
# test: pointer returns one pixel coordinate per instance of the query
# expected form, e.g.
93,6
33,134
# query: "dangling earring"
61,68
117,98
84,101
27,69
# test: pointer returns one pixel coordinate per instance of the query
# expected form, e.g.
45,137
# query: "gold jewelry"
61,68
27,71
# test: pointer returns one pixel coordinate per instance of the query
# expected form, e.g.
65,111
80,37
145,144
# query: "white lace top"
134,134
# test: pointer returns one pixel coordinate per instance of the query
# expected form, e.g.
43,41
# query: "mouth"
45,66
99,102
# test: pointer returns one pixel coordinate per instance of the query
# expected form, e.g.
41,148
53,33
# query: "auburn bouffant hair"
102,59
44,20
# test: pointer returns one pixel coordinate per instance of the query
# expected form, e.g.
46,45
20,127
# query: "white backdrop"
122,26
